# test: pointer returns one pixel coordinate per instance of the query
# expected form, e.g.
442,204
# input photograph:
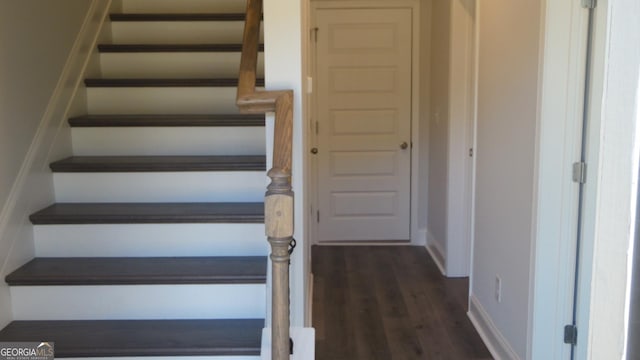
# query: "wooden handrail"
279,196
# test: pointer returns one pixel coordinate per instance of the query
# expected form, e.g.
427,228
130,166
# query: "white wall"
439,128
505,159
36,38
460,138
424,114
450,134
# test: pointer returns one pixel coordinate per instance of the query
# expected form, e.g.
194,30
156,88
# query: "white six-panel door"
364,124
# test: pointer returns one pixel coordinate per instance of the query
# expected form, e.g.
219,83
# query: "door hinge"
571,334
318,216
315,33
580,172
589,4
470,152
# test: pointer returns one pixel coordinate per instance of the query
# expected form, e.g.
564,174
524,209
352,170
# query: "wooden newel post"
279,229
279,198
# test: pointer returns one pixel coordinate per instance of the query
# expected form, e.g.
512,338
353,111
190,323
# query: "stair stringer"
33,188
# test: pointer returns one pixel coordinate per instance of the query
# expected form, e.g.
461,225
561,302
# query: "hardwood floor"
389,303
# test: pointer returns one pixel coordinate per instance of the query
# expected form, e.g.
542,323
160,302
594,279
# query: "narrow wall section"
439,130
506,144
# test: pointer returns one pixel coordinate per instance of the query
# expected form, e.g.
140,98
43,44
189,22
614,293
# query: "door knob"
404,145
314,151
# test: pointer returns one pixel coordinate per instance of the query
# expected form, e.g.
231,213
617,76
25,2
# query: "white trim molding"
421,239
494,340
612,162
436,251
304,346
559,125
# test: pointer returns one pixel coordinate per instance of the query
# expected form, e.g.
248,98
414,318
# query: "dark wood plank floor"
389,303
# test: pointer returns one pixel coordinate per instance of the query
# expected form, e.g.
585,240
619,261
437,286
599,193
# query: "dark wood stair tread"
141,270
167,120
159,163
149,213
150,48
196,82
177,17
108,338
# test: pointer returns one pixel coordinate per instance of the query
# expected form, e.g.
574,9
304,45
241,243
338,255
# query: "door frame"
613,150
561,94
613,154
312,192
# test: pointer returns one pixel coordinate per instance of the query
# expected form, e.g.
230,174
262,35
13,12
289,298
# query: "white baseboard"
498,346
303,343
436,252
33,186
420,239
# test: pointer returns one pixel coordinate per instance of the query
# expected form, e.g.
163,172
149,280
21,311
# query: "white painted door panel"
364,117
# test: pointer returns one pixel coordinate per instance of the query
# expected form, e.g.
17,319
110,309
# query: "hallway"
389,302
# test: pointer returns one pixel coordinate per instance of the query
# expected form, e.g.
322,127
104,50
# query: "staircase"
155,246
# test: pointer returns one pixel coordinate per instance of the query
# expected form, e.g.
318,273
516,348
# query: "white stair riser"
177,32
162,100
240,186
239,301
183,6
142,240
123,141
173,65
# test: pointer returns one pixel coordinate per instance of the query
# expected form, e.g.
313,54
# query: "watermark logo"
26,351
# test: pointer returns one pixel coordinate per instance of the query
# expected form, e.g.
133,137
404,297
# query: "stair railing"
279,196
